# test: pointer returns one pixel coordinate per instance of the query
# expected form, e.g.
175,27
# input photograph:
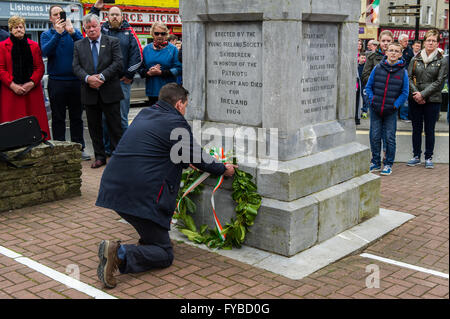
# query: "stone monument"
274,82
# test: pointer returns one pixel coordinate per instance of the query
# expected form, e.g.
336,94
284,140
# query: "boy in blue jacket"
387,89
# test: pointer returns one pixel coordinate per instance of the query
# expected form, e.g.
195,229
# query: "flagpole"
416,38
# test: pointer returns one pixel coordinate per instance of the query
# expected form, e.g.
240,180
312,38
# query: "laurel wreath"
245,194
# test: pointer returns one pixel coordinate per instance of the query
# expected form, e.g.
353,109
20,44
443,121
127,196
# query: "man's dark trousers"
154,249
64,94
95,125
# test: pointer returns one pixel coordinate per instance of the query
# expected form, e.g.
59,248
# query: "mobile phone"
62,15
109,1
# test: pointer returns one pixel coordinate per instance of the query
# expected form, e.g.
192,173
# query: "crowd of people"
140,182
400,81
94,74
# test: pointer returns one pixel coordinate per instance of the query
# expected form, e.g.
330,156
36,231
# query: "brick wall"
55,174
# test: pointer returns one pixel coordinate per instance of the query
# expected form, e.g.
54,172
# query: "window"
426,17
446,19
430,15
406,18
391,18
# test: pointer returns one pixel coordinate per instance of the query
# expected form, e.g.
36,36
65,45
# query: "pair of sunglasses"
160,33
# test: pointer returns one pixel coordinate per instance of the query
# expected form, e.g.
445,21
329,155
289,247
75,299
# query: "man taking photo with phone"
64,88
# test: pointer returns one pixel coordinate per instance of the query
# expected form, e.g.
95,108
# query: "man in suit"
142,180
97,62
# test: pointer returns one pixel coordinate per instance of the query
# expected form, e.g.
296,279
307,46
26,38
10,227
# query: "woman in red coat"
21,71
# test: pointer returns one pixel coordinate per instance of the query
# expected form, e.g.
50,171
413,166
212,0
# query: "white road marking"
55,275
398,133
405,265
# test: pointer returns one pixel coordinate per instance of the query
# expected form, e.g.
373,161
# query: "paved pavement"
43,247
62,236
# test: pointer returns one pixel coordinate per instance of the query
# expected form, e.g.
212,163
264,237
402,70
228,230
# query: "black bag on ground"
23,132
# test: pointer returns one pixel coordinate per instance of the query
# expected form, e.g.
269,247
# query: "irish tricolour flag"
372,12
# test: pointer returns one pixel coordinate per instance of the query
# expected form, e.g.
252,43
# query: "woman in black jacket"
427,73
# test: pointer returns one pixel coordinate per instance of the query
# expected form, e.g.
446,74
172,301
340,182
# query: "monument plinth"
274,82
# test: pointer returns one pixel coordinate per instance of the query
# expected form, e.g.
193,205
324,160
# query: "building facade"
442,22
141,14
368,24
433,14
36,14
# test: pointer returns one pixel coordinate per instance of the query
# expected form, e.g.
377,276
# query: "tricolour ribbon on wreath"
218,154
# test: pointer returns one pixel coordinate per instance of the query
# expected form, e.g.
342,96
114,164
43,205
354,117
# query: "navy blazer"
141,179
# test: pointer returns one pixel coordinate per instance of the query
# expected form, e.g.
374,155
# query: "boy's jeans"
388,125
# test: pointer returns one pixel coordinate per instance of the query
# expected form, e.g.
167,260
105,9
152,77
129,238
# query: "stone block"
55,174
307,175
369,196
285,228
338,208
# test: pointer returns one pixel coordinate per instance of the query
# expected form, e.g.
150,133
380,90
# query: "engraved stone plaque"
234,73
319,78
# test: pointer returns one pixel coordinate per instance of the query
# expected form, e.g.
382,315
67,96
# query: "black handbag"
23,132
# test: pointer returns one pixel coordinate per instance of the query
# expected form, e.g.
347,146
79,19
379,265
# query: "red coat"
13,106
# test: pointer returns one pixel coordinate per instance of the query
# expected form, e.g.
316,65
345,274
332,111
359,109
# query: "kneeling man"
141,183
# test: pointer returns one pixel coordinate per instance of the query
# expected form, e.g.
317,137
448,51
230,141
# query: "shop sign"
144,3
36,11
368,32
147,17
410,33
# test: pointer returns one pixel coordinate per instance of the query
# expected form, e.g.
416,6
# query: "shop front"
368,32
443,44
36,14
410,32
141,14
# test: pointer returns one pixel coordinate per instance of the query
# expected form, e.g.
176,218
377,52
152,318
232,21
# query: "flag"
373,12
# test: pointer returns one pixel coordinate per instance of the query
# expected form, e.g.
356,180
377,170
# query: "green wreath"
248,202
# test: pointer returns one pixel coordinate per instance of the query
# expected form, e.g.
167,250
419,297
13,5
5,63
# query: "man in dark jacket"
117,27
141,183
97,62
64,89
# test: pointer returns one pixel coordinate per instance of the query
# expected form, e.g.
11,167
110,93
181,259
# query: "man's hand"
60,26
17,89
94,81
230,169
27,87
126,80
99,4
69,26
